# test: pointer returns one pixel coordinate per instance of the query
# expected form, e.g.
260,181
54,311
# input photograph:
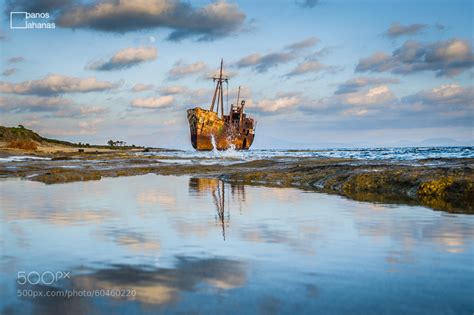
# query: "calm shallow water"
198,245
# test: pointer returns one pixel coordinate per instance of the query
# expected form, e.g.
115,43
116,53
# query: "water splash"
230,153
214,146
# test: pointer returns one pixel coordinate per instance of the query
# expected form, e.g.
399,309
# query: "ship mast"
238,98
219,92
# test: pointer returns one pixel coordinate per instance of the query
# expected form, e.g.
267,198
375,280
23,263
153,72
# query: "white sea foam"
22,158
398,154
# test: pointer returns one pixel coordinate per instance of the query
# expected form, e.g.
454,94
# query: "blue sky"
315,73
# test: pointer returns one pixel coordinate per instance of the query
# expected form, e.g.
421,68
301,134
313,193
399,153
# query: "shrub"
23,144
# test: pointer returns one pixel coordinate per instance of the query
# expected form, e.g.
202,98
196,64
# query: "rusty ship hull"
215,130
209,132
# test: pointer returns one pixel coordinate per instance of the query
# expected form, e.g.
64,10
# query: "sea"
392,154
154,244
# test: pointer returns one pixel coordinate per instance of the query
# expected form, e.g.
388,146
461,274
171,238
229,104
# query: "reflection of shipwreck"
219,200
217,188
209,130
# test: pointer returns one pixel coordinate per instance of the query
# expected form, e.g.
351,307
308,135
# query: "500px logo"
30,20
45,277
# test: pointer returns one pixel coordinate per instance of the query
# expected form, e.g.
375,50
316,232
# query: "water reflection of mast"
216,187
218,194
238,192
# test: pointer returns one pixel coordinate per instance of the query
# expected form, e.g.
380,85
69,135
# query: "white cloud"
446,58
181,69
142,87
214,20
261,63
445,94
54,84
125,58
172,90
359,103
396,29
355,84
277,104
310,66
374,96
53,106
33,104
90,124
153,102
303,44
16,59
10,71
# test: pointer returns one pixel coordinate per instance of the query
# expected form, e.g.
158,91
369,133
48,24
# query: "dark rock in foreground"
447,186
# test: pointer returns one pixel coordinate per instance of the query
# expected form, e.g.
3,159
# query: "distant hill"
21,133
443,142
433,142
26,139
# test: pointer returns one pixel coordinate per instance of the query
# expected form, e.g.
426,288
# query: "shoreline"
445,184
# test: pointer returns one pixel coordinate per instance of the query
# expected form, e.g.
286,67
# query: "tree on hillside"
117,143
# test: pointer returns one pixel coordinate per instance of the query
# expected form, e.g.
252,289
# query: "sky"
315,74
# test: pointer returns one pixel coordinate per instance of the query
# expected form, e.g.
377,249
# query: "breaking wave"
395,154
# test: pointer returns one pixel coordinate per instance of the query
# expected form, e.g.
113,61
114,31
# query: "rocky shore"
441,184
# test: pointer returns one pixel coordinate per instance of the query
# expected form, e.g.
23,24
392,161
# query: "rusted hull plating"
209,131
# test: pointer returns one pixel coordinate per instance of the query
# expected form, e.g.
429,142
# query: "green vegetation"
18,133
8,134
23,138
117,143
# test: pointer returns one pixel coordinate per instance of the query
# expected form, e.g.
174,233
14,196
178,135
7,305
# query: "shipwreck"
215,130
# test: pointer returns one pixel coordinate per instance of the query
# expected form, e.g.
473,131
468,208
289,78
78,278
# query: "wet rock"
441,184
62,176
